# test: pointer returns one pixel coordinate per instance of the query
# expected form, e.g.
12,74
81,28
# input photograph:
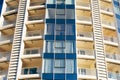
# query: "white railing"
31,70
5,55
85,34
32,51
83,4
113,56
111,39
83,18
107,9
85,52
86,71
4,38
31,18
34,33
112,24
37,3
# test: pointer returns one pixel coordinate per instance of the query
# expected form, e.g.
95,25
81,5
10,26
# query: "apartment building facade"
60,40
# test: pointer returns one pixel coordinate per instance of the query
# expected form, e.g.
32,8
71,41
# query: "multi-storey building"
60,40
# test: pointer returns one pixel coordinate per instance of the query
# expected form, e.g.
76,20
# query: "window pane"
60,29
69,66
28,51
49,47
50,29
50,1
25,71
70,29
48,66
60,1
33,71
60,44
69,1
70,14
69,46
35,51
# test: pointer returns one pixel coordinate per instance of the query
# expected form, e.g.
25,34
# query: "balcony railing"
86,52
111,39
37,3
33,51
112,24
85,34
4,38
31,70
83,4
34,33
107,9
5,55
11,8
88,72
114,76
83,18
40,17
113,56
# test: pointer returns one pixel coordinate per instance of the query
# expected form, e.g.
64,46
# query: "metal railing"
113,56
34,33
83,18
111,39
31,70
85,52
83,4
112,24
85,34
31,18
32,51
107,9
86,71
37,3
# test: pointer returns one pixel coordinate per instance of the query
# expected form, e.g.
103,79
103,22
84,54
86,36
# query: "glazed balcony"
113,56
11,8
30,72
32,53
113,76
9,23
110,39
6,39
32,18
5,56
84,18
108,24
84,53
85,34
86,73
34,33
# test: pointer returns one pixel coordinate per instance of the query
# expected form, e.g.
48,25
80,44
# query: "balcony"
107,10
32,18
87,73
6,39
37,3
82,53
32,53
8,23
30,72
112,57
85,35
110,25
113,76
4,56
83,5
11,8
111,40
84,20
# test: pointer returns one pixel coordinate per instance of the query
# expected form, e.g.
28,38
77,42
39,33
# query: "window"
59,47
51,1
48,66
83,71
70,13
49,46
69,66
60,13
69,47
69,1
60,1
82,52
70,29
59,66
60,29
50,29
